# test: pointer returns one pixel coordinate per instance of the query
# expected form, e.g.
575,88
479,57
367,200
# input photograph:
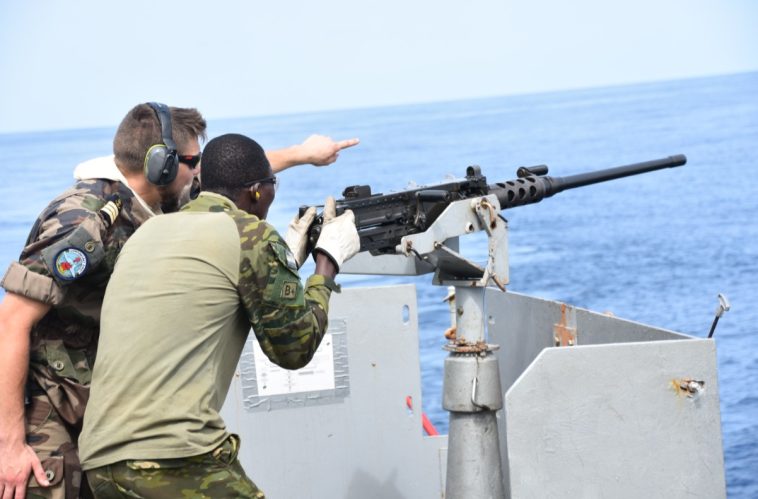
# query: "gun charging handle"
723,307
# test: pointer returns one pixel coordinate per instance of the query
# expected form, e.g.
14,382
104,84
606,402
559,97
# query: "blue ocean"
656,248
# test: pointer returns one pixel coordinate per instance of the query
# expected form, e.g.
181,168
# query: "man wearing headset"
49,317
177,312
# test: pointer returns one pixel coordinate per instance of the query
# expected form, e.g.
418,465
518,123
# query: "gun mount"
415,232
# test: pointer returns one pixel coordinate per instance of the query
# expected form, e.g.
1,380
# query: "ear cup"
161,165
162,160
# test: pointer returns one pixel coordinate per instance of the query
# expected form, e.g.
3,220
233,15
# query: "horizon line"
5,134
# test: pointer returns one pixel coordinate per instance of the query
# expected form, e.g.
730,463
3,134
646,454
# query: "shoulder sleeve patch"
70,263
284,255
74,256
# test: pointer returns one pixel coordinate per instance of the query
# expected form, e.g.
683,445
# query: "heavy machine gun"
384,219
417,232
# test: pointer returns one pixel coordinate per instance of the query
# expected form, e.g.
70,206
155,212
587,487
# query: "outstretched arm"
317,150
17,460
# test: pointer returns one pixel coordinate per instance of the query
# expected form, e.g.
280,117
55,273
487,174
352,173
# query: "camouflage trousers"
217,474
56,448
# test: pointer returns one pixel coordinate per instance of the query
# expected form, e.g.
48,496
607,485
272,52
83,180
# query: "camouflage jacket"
66,263
288,320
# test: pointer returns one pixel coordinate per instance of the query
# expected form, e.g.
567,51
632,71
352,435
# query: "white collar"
105,167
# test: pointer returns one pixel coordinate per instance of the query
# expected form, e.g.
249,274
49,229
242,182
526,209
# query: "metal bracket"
436,249
496,228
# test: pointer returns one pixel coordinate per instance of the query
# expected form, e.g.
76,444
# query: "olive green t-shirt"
185,291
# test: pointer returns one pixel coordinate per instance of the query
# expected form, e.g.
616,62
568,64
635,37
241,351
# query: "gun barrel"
559,184
534,188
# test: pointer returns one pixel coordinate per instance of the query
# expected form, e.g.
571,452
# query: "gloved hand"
339,238
297,235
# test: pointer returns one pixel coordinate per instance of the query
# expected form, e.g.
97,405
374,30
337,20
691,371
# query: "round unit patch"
70,264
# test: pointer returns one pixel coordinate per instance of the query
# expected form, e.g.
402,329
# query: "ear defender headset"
161,160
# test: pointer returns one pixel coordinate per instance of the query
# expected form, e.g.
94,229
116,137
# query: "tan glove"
339,238
297,235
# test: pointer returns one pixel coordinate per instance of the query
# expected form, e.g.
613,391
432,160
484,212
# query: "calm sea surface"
657,248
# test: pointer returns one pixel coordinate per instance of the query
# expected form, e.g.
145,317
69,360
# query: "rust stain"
563,334
688,387
492,212
460,345
450,333
498,283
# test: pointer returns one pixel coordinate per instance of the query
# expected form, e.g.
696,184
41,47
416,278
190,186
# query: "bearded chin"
170,204
194,188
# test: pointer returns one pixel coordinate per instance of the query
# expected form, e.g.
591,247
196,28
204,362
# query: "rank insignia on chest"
70,263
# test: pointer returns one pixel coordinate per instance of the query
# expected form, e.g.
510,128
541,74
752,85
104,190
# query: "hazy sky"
72,64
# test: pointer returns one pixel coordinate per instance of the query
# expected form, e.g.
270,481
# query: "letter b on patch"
289,290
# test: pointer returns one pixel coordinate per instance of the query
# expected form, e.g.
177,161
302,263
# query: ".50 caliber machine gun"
384,219
417,231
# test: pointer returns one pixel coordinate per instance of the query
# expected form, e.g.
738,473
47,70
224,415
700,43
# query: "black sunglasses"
190,160
267,180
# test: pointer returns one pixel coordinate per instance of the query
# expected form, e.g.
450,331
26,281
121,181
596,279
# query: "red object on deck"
425,423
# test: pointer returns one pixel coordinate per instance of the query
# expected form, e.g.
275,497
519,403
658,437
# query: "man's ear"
255,194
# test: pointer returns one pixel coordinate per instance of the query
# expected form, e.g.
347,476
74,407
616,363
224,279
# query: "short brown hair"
140,129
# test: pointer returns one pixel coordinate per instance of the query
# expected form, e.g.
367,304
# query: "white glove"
297,235
339,238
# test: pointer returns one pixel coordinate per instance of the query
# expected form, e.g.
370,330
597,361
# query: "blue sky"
85,63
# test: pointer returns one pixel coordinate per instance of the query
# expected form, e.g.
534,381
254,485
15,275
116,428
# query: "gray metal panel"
608,421
367,444
524,325
594,421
